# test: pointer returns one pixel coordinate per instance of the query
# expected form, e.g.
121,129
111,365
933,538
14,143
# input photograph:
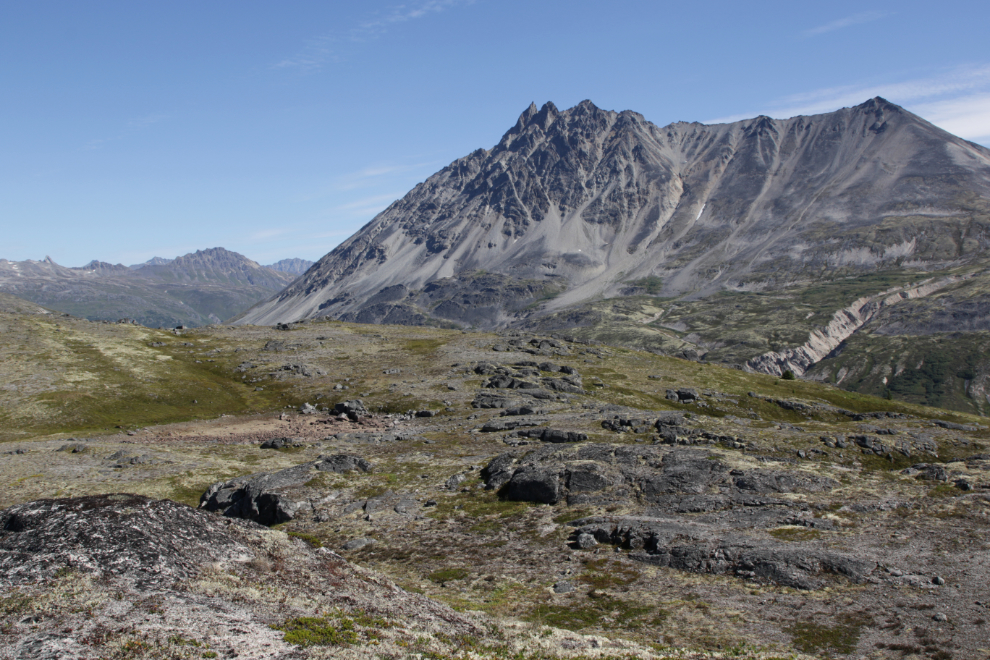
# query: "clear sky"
276,129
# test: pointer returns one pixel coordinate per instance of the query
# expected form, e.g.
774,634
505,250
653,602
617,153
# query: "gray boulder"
702,548
357,544
353,409
585,541
454,481
267,497
553,435
486,400
149,543
532,484
518,410
281,443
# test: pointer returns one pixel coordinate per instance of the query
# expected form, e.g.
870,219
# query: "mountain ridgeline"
203,287
724,242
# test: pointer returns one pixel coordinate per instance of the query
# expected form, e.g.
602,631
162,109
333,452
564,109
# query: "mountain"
291,266
154,261
725,242
203,287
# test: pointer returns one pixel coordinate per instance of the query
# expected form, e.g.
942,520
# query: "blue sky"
135,129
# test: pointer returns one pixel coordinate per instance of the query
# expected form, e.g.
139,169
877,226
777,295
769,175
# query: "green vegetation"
312,540
423,346
606,574
795,534
448,575
621,613
652,284
816,637
931,371
318,631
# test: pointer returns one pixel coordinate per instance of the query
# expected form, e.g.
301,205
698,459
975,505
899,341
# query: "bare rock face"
681,480
701,548
587,203
147,542
266,497
693,512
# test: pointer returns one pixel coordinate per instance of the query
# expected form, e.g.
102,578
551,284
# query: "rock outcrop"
147,542
701,548
86,577
265,498
844,323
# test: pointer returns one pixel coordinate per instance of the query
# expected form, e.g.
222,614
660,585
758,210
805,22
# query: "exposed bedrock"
680,480
700,548
698,514
844,323
150,543
266,497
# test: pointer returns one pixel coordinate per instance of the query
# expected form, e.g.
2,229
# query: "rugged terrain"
726,242
291,266
197,289
528,495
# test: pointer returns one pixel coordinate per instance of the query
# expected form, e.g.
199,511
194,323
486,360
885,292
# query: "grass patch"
423,346
446,575
601,611
570,516
313,541
318,631
477,504
604,574
791,534
816,638
187,493
943,490
14,604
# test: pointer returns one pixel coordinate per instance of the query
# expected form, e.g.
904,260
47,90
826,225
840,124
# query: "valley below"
335,489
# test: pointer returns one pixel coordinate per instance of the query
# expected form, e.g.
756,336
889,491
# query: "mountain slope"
734,242
587,203
203,287
291,266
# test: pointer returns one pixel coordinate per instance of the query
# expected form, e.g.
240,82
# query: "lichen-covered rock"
702,548
262,497
532,484
353,409
85,577
149,542
684,480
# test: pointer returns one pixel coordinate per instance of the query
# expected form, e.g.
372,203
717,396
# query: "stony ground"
687,509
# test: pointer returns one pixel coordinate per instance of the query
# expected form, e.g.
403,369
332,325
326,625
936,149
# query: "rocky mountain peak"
583,200
103,267
216,257
291,266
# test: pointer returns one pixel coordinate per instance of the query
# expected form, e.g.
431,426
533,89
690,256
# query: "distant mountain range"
203,287
816,245
291,266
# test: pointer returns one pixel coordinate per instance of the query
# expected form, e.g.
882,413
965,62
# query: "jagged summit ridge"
585,200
